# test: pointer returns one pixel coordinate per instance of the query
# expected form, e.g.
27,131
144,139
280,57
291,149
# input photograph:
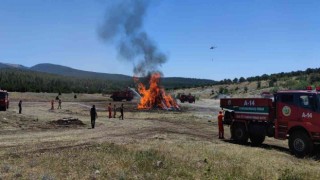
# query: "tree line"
31,81
311,75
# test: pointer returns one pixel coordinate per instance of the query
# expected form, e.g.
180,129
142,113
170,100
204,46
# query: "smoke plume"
123,26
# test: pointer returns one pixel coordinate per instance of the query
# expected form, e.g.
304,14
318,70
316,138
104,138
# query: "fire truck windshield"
2,95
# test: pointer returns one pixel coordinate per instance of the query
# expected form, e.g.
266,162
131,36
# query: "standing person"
59,106
109,110
52,104
114,111
121,112
94,115
220,124
20,106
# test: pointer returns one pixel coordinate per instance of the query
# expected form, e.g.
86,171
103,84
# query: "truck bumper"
315,136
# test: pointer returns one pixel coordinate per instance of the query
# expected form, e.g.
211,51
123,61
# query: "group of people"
52,105
93,111
114,110
59,104
94,115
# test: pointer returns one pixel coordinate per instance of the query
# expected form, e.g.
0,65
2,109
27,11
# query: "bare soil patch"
67,122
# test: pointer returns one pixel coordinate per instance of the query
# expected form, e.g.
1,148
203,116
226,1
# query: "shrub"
246,89
258,85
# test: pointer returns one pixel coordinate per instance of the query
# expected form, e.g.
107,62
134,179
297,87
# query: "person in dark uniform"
94,115
20,106
114,111
59,106
121,112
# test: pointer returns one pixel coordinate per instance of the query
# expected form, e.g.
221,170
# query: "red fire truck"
4,100
292,115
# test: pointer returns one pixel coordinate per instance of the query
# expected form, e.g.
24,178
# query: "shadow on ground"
315,156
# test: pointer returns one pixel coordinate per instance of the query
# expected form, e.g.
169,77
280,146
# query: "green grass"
139,161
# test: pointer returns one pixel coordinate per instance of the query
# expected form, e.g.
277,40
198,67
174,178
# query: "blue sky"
252,37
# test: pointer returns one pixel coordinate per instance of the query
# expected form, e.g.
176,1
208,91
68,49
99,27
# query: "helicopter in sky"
212,48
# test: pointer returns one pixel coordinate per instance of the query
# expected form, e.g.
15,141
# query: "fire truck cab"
4,100
298,119
292,115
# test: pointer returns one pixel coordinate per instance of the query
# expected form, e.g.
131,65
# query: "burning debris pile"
155,97
123,26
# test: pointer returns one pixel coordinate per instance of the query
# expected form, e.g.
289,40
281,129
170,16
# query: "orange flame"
155,96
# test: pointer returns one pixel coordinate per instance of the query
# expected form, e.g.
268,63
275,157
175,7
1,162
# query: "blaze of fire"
155,96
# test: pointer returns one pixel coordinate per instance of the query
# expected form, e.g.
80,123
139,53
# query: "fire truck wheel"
240,134
257,139
300,144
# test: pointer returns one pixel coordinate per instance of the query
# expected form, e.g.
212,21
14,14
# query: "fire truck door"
309,112
286,112
306,109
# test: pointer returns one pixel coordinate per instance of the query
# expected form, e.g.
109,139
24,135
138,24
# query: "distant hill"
20,80
54,78
67,71
2,65
17,66
8,65
170,82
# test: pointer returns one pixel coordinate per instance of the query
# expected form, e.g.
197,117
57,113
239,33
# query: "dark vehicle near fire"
122,95
4,100
187,98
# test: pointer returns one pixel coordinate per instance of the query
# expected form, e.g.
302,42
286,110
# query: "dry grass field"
145,145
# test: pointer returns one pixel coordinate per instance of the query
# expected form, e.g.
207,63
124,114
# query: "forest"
21,80
294,80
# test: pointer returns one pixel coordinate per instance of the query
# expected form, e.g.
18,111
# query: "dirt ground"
33,125
32,131
194,122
